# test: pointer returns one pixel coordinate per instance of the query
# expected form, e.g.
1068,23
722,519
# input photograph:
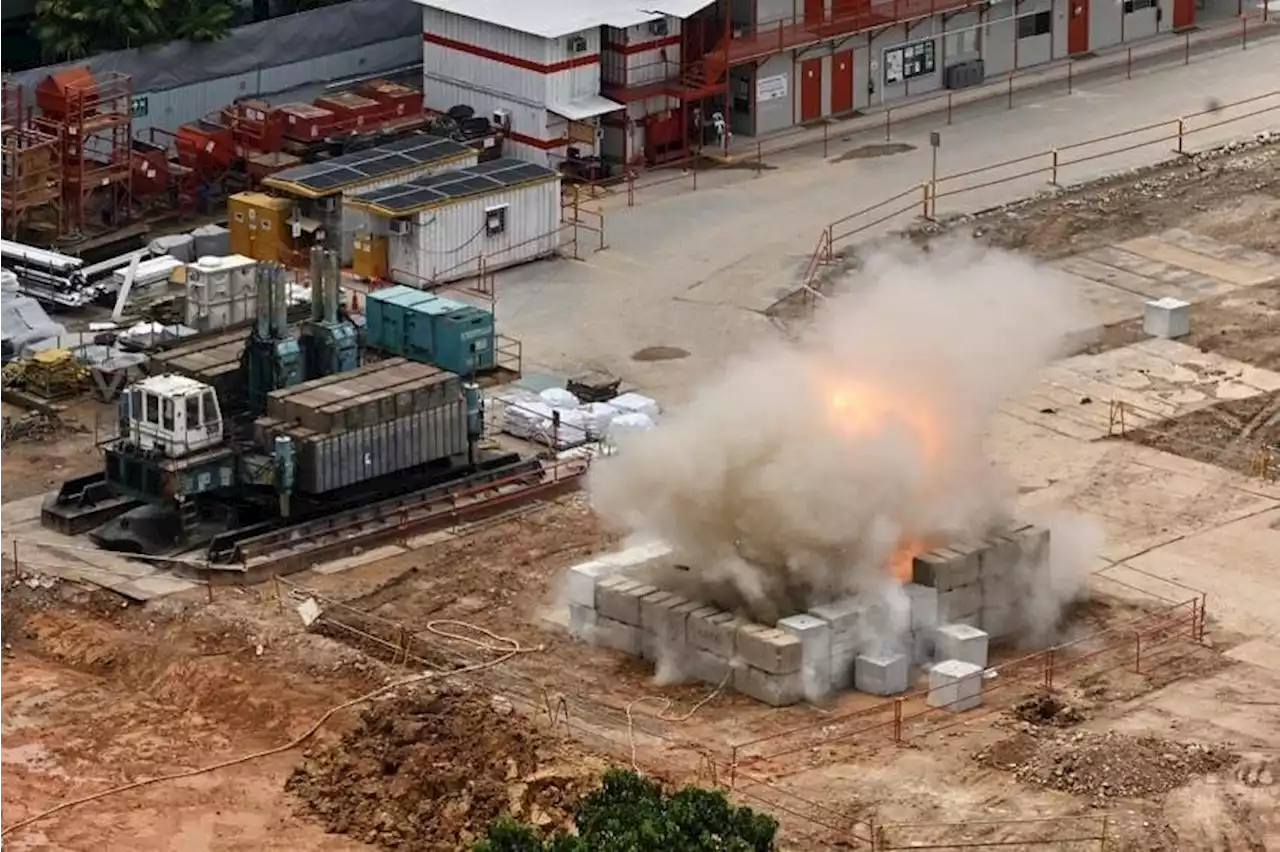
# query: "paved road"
694,270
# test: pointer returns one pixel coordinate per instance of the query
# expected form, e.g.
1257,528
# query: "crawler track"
294,548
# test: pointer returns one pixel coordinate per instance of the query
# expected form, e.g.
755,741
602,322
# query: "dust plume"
814,470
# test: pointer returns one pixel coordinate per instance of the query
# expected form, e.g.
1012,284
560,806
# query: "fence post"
828,244
695,168
1244,33
1181,126
1048,669
897,720
1204,600
733,769
924,200
1010,90
759,159
1137,651
887,132
1186,48
576,202
631,188
1053,181
16,563
948,107
1071,63
825,127
602,243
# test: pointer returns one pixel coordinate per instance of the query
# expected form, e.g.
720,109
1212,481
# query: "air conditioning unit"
577,44
400,227
659,27
331,204
502,118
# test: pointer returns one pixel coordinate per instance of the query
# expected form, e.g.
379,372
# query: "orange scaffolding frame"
32,174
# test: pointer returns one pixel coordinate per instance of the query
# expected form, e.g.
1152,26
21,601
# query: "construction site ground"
1160,441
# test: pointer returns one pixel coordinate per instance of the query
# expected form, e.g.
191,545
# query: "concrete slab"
1169,279
1237,255
1157,247
364,558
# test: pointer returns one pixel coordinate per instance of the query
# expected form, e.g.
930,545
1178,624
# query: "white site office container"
221,291
450,226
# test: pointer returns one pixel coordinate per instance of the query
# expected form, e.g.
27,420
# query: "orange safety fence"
1141,644
1066,72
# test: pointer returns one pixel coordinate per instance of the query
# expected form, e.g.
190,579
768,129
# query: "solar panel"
399,154
474,180
384,164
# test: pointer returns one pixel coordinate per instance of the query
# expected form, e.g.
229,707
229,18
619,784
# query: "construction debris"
50,373
37,426
431,770
1103,766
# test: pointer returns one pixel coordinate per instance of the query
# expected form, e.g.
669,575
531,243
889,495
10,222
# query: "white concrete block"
815,653
582,621
1035,542
945,568
922,646
924,606
616,635
885,674
844,616
615,601
999,557
705,666
962,642
955,685
776,690
959,603
636,556
768,649
1167,317
580,582
842,664
713,630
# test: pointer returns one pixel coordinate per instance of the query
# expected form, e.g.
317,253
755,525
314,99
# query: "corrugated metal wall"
483,74
562,87
447,243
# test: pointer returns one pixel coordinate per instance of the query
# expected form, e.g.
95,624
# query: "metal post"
759,160
1048,668
631,188
1010,90
948,107
1137,651
16,564
576,202
1071,63
695,168
1186,48
897,720
1128,64
825,127
924,200
828,244
887,133
1181,127
1244,33
733,769
1053,180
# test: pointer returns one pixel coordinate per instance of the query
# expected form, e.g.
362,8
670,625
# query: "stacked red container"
403,101
256,126
355,112
205,147
307,123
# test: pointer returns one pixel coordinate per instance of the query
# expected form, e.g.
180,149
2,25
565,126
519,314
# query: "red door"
813,11
810,90
1078,27
1184,13
842,82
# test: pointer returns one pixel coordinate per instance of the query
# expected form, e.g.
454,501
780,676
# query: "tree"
631,813
72,29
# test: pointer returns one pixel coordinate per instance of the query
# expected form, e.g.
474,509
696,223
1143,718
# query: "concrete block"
1035,544
945,568
651,606
1167,318
614,601
663,616
921,646
768,649
580,582
705,666
613,634
845,617
842,668
1000,557
962,642
776,690
637,593
815,653
924,606
955,685
582,622
959,603
713,630
885,674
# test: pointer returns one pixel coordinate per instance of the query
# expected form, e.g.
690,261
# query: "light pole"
935,142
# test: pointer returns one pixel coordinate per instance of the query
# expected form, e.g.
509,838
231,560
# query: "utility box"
464,339
369,256
259,225
1167,317
396,324
221,291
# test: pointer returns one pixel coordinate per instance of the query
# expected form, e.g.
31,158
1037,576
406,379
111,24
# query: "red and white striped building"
594,75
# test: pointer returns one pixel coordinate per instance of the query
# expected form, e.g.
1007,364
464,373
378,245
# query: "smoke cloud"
809,470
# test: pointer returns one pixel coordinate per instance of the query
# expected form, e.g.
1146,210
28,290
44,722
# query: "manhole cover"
659,353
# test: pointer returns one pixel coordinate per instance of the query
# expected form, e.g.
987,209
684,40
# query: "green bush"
631,813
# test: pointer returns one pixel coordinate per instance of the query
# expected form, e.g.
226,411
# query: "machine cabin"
172,415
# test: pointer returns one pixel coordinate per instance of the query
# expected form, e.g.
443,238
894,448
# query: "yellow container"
369,258
259,226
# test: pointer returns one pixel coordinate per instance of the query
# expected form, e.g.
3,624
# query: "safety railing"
1051,164
633,183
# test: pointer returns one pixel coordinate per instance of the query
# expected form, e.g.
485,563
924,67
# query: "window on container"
1030,26
211,413
495,220
193,411
1131,6
167,418
965,41
152,408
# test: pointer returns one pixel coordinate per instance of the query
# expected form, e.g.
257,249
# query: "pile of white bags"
533,416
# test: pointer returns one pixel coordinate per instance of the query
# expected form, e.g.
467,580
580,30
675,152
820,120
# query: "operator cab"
172,415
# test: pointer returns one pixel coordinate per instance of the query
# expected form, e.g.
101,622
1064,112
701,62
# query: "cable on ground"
662,712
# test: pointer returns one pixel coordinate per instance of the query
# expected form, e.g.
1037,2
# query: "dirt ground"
1177,753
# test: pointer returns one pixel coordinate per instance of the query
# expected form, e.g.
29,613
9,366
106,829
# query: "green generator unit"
463,339
396,322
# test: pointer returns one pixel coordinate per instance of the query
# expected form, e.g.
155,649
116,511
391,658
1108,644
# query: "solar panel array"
330,177
414,195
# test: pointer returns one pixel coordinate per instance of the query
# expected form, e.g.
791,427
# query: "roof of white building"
555,18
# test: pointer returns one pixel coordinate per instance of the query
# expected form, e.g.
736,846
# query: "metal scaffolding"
92,116
31,189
